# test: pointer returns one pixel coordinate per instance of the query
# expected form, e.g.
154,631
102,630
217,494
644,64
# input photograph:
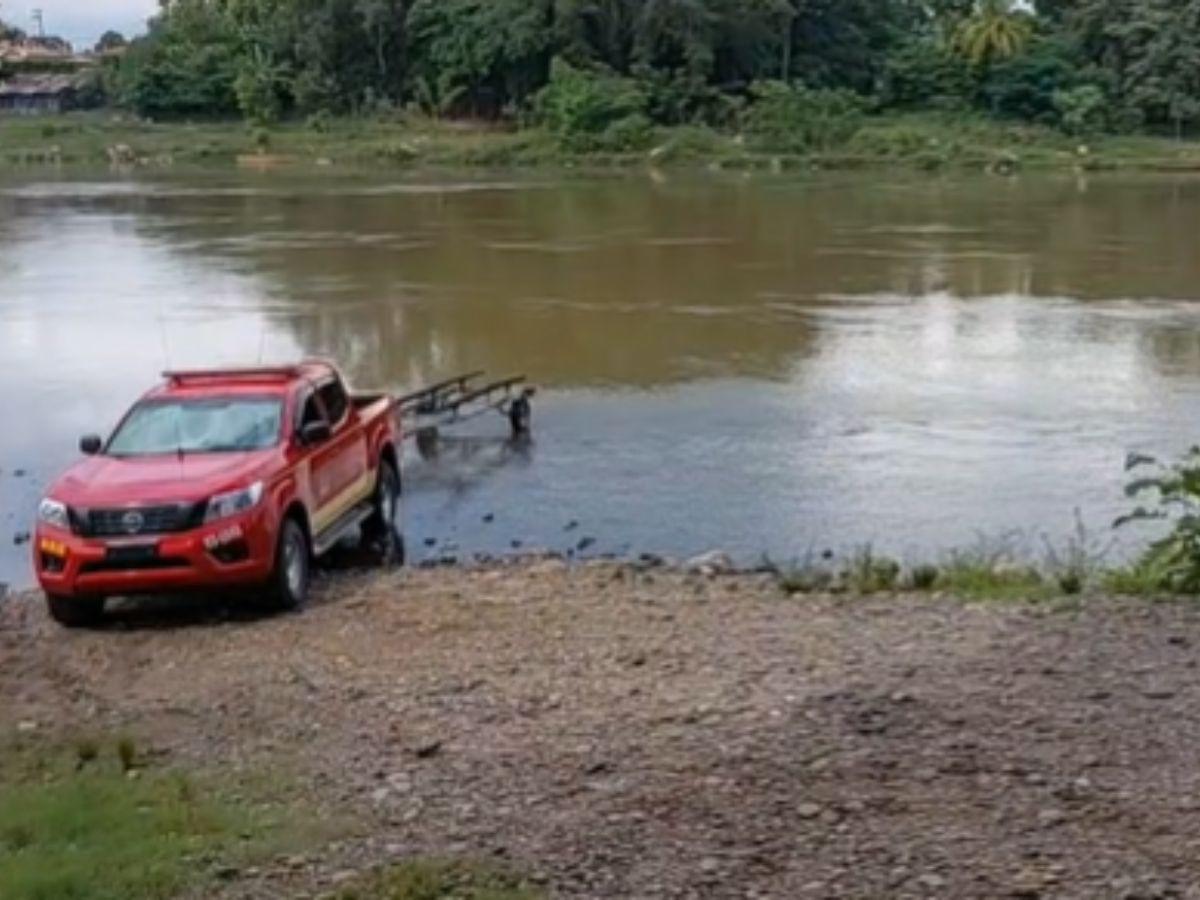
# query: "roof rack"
258,373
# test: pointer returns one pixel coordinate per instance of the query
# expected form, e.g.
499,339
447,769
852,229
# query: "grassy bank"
100,817
93,818
919,142
989,571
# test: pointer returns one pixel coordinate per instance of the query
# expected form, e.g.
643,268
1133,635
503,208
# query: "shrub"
262,139
795,119
924,577
868,573
681,97
924,74
1172,563
592,109
320,122
1075,562
1082,110
258,95
1024,86
804,580
127,753
86,751
894,140
631,133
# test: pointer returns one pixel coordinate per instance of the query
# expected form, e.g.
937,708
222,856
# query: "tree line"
617,67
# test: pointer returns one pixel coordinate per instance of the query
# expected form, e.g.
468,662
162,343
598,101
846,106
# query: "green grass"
1137,580
430,880
980,574
88,138
926,141
973,579
975,575
89,819
75,825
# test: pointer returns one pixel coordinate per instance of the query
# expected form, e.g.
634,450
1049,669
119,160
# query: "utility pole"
789,39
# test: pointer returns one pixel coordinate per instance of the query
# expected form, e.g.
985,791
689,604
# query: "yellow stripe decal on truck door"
361,489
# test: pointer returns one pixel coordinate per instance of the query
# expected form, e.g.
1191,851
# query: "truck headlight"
233,503
51,512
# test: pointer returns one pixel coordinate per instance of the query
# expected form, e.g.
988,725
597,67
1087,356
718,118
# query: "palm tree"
994,31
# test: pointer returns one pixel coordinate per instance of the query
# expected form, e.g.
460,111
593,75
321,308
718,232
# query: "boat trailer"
425,412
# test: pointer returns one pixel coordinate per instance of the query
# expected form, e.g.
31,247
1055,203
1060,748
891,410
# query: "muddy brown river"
762,365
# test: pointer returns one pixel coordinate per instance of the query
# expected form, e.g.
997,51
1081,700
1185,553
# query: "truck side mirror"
90,444
315,433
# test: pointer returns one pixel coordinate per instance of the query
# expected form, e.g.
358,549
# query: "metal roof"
38,85
33,51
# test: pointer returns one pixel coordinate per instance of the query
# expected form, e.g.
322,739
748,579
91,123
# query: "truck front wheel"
289,582
75,612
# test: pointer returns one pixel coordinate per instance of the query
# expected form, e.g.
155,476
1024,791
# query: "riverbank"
610,730
917,142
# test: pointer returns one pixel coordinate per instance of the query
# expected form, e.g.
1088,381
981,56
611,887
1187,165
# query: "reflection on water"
762,365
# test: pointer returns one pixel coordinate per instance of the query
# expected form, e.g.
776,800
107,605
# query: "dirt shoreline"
617,733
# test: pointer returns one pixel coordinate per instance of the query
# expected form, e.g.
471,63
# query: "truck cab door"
345,457
318,475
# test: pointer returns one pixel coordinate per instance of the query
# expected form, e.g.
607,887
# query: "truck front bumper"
235,552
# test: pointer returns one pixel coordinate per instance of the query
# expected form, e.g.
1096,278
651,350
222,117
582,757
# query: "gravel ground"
625,734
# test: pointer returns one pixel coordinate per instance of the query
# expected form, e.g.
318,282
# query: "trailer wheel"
383,529
427,442
75,612
288,588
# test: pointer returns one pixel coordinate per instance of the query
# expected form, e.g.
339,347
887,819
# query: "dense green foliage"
791,119
1169,494
593,110
792,74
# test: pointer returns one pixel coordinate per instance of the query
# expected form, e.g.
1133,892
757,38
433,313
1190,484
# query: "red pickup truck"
216,479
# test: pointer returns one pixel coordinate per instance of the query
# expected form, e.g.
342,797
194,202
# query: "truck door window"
334,398
311,412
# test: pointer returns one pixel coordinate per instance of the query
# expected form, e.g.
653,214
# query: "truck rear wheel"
382,528
289,581
75,612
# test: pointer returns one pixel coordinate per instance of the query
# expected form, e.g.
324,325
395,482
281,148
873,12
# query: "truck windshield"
211,425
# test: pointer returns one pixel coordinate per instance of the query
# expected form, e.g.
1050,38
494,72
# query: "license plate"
134,554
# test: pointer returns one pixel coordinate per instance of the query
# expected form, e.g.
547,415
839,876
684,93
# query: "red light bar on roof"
261,373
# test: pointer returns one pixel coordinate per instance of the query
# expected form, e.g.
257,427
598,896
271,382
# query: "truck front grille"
137,520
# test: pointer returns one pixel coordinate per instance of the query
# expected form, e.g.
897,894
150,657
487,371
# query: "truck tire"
288,588
75,612
382,529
